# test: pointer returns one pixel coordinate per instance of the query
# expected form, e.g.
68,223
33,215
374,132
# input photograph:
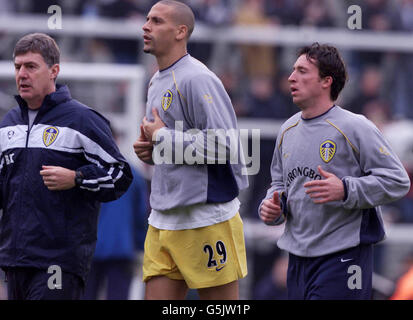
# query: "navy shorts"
33,284
343,275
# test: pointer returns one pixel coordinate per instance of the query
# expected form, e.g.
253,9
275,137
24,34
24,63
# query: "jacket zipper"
16,234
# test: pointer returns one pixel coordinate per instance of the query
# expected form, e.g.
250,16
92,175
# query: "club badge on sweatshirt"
327,150
49,135
167,100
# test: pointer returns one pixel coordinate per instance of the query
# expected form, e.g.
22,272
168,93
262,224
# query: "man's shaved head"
181,14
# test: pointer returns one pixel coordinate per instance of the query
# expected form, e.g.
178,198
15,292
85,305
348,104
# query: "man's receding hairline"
188,16
175,4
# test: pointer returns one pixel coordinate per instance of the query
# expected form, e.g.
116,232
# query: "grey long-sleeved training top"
194,105
351,147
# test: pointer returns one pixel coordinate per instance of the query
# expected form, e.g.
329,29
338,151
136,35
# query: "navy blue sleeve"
108,175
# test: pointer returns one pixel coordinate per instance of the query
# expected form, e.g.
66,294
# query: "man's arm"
273,208
58,178
270,210
330,188
106,176
144,147
384,178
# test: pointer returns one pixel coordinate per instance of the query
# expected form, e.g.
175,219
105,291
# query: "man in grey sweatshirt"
331,171
195,237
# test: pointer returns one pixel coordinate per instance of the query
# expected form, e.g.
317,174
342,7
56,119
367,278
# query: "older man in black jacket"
58,162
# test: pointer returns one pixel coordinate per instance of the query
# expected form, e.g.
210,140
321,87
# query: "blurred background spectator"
258,60
316,14
121,234
273,285
404,287
369,88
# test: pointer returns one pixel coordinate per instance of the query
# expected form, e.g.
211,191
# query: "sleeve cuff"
345,189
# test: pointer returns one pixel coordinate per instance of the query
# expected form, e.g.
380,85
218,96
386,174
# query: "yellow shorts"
203,257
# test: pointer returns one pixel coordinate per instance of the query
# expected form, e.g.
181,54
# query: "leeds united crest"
167,100
327,150
50,135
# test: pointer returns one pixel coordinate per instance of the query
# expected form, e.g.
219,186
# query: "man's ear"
327,82
182,32
54,71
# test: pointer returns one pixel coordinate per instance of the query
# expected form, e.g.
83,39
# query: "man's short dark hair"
182,14
39,43
329,63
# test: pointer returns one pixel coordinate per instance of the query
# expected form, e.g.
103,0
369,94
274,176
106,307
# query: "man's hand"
143,148
329,189
58,178
150,128
270,209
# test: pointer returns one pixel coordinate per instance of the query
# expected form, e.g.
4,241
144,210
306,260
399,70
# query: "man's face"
159,30
305,82
34,78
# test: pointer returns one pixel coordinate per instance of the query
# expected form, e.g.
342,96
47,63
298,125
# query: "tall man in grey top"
195,237
331,171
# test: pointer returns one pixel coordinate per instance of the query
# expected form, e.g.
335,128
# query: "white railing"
272,35
126,122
